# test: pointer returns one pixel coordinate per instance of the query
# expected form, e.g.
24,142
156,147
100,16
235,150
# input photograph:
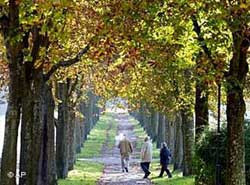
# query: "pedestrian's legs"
168,172
145,168
148,172
147,165
126,163
123,163
162,170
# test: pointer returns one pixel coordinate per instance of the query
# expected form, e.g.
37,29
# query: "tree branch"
72,86
197,30
66,63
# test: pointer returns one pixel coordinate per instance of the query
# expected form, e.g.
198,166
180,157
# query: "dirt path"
112,174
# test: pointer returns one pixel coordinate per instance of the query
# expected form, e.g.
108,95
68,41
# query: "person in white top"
146,156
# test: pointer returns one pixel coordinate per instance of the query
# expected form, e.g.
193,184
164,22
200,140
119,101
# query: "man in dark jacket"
165,157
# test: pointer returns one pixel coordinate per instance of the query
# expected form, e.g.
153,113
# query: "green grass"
85,173
177,179
98,136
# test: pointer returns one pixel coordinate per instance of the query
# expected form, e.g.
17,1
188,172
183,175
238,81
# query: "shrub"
206,151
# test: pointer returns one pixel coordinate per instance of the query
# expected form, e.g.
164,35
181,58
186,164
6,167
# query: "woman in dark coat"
165,157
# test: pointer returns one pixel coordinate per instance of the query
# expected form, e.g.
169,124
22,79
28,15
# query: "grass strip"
85,173
98,137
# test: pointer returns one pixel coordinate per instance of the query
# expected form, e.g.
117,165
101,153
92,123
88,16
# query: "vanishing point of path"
112,174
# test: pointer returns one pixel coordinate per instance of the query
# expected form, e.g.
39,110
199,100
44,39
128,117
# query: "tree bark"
14,48
236,109
47,165
86,122
27,133
201,96
147,121
12,119
62,131
178,152
188,141
37,158
90,109
72,138
161,130
78,134
201,109
154,124
170,134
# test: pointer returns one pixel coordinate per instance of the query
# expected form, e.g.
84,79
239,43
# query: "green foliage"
206,156
85,172
206,150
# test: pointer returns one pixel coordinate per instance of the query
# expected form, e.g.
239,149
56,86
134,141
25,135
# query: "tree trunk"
167,131
78,134
235,111
86,125
154,124
27,125
140,117
95,110
37,135
82,108
178,152
147,121
188,141
12,119
90,109
161,130
62,149
47,166
201,109
72,138
14,52
170,133
201,95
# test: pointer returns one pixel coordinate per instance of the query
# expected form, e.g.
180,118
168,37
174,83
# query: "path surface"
112,174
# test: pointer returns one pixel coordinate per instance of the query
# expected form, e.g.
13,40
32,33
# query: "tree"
27,35
235,78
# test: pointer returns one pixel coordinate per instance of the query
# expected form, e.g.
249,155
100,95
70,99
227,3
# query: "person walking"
165,156
126,149
146,156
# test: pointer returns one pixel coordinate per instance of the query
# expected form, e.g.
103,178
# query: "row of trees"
35,35
170,129
169,55
39,159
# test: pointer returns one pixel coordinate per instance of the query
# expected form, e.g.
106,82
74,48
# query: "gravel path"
112,174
